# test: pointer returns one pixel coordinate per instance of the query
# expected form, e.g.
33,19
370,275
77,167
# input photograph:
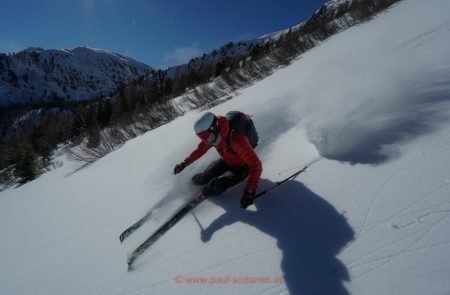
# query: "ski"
162,230
134,227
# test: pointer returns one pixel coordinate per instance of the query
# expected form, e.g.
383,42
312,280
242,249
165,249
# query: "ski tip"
124,235
129,264
130,260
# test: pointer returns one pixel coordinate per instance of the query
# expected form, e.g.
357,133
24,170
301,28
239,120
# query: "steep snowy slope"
371,217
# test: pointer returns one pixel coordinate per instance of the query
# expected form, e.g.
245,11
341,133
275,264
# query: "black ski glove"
179,167
247,198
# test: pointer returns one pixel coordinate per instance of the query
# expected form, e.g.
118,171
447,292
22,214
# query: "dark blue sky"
159,33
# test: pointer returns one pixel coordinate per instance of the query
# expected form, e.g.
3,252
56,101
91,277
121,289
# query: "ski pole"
292,177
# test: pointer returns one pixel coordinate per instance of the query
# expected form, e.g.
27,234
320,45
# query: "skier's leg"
215,169
221,184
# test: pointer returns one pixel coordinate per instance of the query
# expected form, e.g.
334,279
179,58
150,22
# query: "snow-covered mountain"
331,8
371,217
338,12
334,5
229,50
35,74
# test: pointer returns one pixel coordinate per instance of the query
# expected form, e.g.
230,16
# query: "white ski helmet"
205,124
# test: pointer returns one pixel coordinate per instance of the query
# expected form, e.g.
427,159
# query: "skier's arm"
201,149
242,146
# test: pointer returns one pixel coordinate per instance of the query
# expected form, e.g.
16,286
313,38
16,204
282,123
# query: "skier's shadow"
309,232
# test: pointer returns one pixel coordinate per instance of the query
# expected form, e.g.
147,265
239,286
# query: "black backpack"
244,124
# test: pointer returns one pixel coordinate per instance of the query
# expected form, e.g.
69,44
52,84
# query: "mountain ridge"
36,74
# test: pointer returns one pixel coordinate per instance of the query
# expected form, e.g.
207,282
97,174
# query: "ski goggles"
204,134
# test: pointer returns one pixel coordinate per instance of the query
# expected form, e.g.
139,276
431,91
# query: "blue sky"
159,33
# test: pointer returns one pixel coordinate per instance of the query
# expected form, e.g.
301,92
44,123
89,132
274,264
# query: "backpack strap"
228,140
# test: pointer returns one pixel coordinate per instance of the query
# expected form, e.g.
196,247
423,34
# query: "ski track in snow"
380,257
389,179
386,259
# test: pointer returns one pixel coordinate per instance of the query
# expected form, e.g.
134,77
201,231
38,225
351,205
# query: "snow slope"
370,218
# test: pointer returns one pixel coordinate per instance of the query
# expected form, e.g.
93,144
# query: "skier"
238,158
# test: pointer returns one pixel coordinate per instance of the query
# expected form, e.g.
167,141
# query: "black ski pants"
218,177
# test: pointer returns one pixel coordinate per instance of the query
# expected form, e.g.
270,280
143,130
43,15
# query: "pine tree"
26,168
78,125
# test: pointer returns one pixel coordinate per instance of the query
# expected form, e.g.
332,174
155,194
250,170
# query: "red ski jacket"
243,153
